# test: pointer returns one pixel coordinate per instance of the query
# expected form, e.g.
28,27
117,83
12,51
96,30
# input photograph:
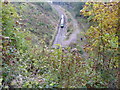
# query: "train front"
62,21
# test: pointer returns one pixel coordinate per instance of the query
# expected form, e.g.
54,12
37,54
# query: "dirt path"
61,34
76,31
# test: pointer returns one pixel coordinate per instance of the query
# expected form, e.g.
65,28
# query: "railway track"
61,29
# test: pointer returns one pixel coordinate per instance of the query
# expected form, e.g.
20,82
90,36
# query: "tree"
103,37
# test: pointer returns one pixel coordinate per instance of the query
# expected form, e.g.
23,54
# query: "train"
62,21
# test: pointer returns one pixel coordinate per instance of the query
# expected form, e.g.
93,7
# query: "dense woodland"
27,61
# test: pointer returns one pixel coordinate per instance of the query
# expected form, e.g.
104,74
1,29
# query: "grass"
79,19
69,32
69,20
42,19
53,37
41,23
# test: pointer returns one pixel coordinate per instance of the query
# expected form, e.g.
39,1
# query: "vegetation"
69,29
38,19
74,7
103,39
28,62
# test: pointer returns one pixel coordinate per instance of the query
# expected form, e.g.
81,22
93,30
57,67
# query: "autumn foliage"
103,38
28,65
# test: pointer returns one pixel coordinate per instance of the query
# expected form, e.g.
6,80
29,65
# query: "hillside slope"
40,19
